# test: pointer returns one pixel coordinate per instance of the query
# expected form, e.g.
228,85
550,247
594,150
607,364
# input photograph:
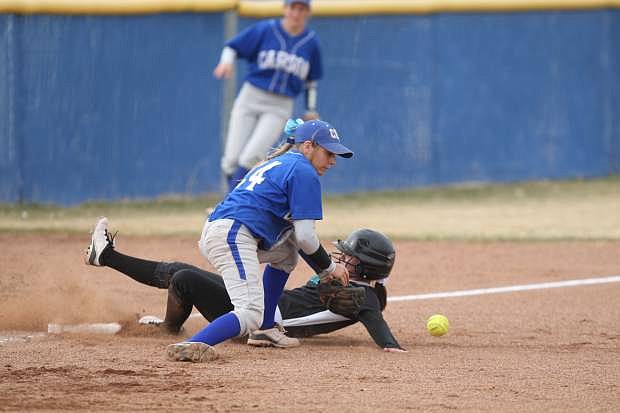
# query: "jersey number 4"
257,177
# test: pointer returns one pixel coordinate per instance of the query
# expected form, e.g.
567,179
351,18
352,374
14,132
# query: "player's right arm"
226,67
304,193
244,45
308,242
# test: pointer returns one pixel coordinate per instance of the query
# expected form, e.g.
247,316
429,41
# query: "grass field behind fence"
558,210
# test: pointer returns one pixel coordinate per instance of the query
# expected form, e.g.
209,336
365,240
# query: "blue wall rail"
109,107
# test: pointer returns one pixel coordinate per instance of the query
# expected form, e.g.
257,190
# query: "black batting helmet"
373,249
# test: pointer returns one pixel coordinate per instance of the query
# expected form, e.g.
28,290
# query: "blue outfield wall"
449,98
613,120
9,155
114,107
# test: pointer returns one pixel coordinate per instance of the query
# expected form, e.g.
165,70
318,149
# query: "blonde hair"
285,147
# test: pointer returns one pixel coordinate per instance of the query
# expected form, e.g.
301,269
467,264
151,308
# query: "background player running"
284,59
368,254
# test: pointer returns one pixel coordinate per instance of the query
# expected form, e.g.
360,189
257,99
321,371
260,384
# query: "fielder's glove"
339,299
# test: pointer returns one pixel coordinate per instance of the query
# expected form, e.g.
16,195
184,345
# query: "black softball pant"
193,286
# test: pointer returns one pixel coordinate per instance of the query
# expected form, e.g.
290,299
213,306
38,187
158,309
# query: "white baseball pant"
256,122
232,249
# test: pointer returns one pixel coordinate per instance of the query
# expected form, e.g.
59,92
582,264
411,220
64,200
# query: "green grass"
549,210
159,205
483,192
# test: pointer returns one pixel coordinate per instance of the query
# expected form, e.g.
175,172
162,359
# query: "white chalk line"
507,289
112,328
497,290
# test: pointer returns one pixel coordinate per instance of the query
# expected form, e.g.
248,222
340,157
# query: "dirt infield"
554,350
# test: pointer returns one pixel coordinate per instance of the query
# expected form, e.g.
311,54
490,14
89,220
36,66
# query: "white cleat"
150,320
272,337
195,352
99,241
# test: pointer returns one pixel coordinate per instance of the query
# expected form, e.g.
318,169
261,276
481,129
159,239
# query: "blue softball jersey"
278,62
272,195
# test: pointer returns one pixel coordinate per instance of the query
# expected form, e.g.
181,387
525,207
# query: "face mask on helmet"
374,251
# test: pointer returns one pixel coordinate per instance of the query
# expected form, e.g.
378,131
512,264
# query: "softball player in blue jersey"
267,218
284,59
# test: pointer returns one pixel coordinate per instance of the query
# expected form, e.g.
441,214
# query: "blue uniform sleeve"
248,41
316,64
304,194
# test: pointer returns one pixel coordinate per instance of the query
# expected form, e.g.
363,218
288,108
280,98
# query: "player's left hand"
342,300
341,274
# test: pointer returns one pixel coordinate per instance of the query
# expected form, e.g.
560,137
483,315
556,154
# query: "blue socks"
227,326
221,329
273,285
236,176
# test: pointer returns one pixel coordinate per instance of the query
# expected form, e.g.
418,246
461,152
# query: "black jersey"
303,314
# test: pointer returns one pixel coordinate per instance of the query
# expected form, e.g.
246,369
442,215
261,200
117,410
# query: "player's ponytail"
289,128
280,150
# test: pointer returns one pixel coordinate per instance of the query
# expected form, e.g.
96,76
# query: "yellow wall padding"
257,8
114,6
250,8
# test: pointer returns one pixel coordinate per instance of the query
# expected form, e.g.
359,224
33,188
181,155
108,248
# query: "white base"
99,328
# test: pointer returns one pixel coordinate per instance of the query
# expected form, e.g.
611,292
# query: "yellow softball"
437,325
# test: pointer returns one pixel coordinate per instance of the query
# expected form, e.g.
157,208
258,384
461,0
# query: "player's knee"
164,271
248,160
287,264
202,247
182,283
282,257
250,319
228,166
161,276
